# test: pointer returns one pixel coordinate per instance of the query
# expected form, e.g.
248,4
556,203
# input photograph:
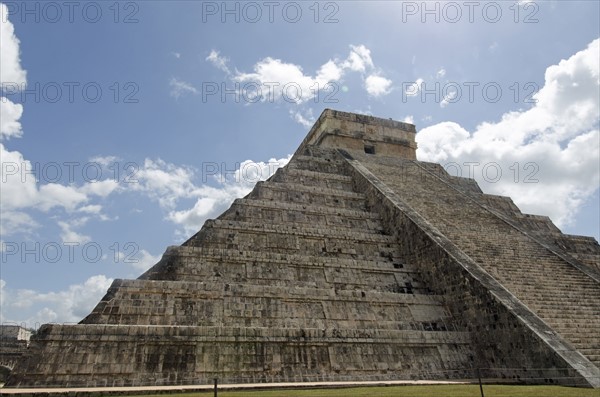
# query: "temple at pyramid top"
357,132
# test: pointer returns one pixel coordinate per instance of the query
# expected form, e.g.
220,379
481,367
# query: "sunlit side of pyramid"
353,262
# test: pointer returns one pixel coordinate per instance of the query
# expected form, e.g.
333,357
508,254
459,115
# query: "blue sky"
126,124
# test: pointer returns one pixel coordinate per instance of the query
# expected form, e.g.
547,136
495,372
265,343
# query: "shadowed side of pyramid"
353,262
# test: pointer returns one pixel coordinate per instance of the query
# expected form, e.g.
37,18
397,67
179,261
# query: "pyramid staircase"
539,274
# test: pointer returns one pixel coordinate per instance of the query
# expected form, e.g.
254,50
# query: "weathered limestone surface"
346,265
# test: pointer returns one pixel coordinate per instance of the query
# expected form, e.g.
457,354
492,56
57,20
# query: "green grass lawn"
413,391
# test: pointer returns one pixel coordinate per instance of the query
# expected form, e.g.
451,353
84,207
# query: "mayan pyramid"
353,262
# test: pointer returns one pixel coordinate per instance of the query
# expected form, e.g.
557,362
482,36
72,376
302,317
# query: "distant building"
14,341
15,332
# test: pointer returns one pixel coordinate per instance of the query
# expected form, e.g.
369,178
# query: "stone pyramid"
353,262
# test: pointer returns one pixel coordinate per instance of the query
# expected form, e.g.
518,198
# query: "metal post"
480,385
215,387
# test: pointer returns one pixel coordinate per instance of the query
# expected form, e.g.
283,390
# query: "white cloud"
280,80
193,218
18,189
377,85
440,73
21,192
359,59
218,61
10,61
91,209
168,184
164,182
556,142
330,71
211,201
37,308
409,119
414,88
13,221
141,260
306,120
68,235
104,160
10,127
287,80
450,96
99,188
57,195
179,88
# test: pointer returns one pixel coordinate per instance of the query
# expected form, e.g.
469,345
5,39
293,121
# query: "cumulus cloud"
36,308
16,221
104,160
21,192
359,59
68,235
10,127
11,73
409,119
10,59
99,188
169,184
164,182
548,154
283,81
307,119
377,85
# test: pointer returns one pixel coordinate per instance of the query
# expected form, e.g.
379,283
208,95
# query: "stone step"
187,303
288,238
325,247
296,174
566,313
313,178
300,214
584,298
580,343
560,289
540,286
195,334
284,229
107,350
570,326
580,305
316,190
309,208
371,263
299,194
260,291
289,275
319,164
568,274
